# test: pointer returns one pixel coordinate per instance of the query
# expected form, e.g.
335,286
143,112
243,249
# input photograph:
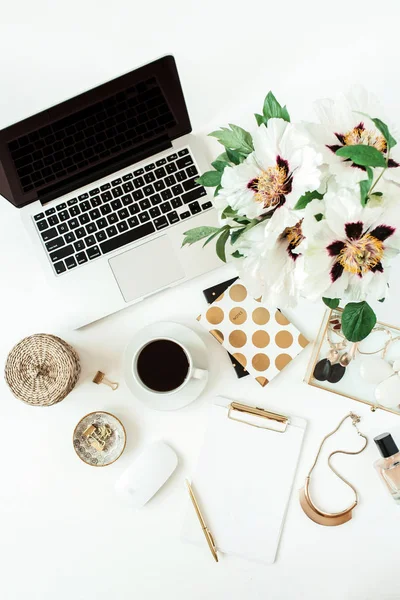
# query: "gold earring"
313,512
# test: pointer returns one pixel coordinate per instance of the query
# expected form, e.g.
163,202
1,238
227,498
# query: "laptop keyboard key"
150,167
134,209
53,220
171,168
206,205
101,223
116,204
105,209
176,202
39,216
138,172
194,208
166,195
127,177
149,177
126,238
61,206
159,185
165,207
180,176
83,197
79,245
59,267
172,157
198,192
190,184
139,182
70,262
145,204
63,228
133,221
106,197
49,234
54,244
183,152
111,231
101,236
128,187
50,211
80,233
64,215
85,205
122,226
192,171
73,223
138,195
177,190
156,199
123,213
181,163
170,180
83,219
95,214
116,182
161,222
96,201
144,217
74,211
113,218
105,186
72,201
94,192
91,228
81,258
173,217
69,238
161,172
62,253
154,212
90,240
93,252
148,190
126,200
160,162
42,225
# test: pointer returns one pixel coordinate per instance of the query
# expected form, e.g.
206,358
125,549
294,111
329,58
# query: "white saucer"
198,351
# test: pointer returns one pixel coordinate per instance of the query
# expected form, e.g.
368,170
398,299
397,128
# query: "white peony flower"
346,254
282,168
271,264
341,124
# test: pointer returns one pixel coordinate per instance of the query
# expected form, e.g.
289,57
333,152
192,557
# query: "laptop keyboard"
108,217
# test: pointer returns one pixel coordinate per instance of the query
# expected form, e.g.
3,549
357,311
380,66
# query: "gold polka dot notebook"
261,339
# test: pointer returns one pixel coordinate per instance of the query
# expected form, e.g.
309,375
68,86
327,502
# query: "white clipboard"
243,479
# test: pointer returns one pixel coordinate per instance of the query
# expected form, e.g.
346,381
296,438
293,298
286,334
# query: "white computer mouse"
147,474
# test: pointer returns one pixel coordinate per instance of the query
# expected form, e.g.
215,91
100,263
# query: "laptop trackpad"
146,268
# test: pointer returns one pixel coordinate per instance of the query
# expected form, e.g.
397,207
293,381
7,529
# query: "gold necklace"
313,512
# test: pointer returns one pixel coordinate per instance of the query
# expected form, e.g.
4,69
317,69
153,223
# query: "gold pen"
206,531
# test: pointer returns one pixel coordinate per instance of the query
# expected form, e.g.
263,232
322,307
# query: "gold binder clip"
258,412
100,377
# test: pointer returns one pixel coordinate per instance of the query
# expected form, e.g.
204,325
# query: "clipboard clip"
258,412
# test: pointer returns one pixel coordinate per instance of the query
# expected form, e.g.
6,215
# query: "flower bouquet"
310,209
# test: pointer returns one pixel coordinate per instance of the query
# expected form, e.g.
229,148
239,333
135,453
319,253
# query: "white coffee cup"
192,371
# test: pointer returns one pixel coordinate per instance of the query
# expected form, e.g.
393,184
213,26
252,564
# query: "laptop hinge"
105,168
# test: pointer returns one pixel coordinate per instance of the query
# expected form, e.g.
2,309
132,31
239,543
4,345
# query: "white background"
63,532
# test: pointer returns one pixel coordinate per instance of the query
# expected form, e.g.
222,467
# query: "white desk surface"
63,532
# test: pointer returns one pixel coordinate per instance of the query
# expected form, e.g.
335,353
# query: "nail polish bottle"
388,467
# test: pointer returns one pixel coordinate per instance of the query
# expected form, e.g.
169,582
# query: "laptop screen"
92,135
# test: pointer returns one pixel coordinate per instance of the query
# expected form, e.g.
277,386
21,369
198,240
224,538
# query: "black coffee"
162,365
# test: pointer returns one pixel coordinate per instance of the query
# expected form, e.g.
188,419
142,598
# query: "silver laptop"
106,185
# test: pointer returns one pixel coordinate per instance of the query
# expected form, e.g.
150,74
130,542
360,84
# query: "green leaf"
318,217
220,246
273,110
381,299
223,157
234,156
208,240
383,128
235,235
306,198
198,233
219,165
365,156
229,213
331,302
358,320
210,179
379,194
237,254
260,119
234,138
217,189
365,186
